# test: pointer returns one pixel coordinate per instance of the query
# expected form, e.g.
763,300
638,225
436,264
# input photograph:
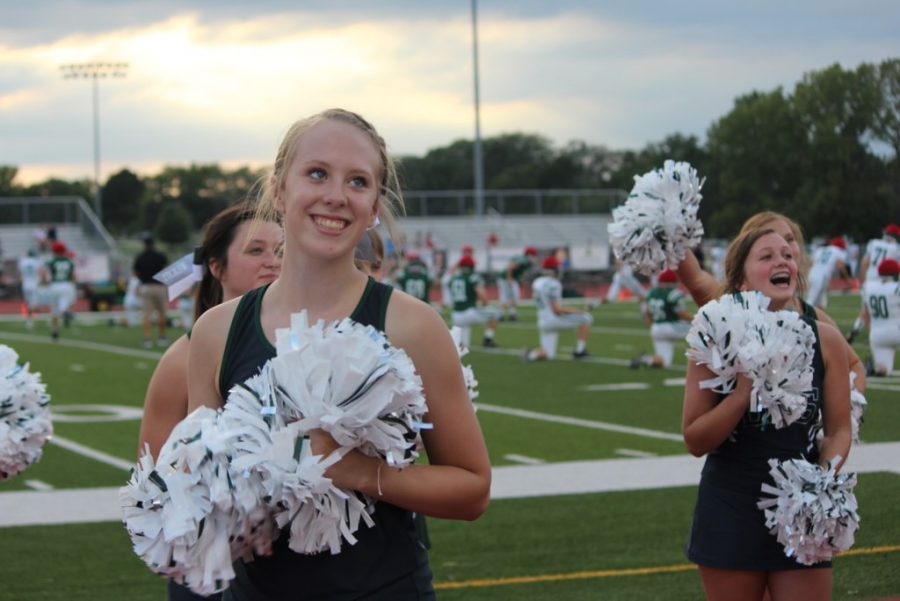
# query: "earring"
375,223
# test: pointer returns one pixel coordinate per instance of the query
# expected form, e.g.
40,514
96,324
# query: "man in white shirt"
29,280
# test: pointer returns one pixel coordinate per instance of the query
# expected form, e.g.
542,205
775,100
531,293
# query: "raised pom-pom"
25,424
812,511
658,223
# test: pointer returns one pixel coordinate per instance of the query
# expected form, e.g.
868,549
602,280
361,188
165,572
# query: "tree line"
826,153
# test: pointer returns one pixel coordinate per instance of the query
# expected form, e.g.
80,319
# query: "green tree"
7,180
755,161
60,187
174,225
203,190
121,202
840,191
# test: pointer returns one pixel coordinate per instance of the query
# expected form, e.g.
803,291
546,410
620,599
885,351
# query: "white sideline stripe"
634,453
621,386
559,357
92,346
38,485
880,386
523,459
80,449
674,382
612,475
76,506
575,421
640,332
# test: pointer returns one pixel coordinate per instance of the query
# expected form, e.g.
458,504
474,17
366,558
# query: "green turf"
533,537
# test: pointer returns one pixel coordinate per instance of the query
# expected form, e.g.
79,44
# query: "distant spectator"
29,279
153,294
62,287
40,238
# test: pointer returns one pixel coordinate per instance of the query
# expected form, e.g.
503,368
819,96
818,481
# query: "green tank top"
385,554
247,347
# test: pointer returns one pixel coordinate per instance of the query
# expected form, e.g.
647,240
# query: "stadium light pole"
478,161
95,72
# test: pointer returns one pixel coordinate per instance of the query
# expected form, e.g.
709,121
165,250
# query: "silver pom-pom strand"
25,421
468,372
858,406
812,511
658,223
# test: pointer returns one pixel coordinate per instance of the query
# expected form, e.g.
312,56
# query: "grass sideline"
623,545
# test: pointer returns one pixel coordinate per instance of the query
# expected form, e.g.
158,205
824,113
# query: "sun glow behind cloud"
205,88
255,77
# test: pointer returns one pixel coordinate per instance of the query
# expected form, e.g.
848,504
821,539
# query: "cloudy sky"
221,80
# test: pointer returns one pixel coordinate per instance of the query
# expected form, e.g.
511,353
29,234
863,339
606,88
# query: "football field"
593,491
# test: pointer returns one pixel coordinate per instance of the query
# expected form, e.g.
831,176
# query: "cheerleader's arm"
706,422
853,361
701,284
836,405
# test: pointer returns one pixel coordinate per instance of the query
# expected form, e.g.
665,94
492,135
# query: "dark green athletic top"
808,310
741,462
387,561
247,347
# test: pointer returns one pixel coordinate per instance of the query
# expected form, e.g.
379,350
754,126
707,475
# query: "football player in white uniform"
877,250
552,317
882,298
826,259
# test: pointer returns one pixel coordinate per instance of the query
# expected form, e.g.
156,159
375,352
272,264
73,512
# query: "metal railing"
456,203
58,210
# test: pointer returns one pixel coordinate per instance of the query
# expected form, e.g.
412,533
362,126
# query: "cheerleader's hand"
351,472
322,443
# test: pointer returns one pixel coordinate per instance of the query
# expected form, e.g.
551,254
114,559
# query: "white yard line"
583,423
38,485
523,459
634,453
27,508
92,346
80,449
615,387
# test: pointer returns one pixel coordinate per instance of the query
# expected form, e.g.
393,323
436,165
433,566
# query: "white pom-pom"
858,405
343,378
658,223
737,334
25,424
812,511
468,373
189,515
346,379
